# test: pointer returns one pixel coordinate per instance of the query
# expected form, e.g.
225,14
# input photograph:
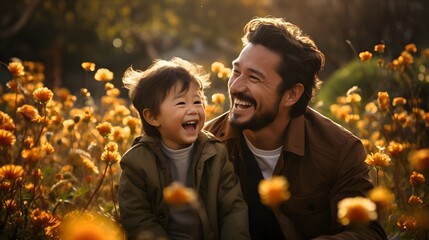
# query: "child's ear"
292,95
150,118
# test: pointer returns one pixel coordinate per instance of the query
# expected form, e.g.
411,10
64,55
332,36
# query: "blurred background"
116,34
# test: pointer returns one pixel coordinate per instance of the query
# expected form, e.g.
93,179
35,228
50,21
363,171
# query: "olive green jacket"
145,173
323,163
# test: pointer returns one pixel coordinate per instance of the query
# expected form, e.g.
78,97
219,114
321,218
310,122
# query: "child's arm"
136,213
232,212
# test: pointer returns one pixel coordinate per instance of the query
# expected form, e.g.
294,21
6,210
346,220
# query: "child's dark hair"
149,88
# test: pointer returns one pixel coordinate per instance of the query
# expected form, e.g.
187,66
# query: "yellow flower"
358,210
105,129
33,155
383,100
399,101
29,112
396,149
224,73
111,146
7,138
353,98
416,178
111,157
11,171
406,223
48,148
381,196
415,200
10,205
379,48
16,68
41,219
89,225
365,56
217,67
274,191
43,95
108,86
419,159
103,74
377,160
411,47
88,66
178,195
371,107
6,122
218,98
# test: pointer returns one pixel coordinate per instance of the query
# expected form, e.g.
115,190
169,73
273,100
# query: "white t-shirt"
266,159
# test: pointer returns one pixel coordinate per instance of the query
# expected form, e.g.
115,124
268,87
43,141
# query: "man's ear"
150,118
292,95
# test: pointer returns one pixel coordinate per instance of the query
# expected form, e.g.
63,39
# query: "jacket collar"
295,134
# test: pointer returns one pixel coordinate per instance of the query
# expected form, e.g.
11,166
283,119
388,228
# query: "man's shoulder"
317,120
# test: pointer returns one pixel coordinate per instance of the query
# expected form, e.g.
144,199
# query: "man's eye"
235,72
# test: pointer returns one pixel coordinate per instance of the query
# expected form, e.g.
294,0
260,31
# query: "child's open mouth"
190,125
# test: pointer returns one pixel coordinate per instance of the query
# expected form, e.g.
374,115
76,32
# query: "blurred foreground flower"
357,210
89,226
381,196
178,195
274,191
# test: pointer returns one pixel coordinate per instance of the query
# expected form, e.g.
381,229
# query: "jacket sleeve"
233,213
136,213
352,180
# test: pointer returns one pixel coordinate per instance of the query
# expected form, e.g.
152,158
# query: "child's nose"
192,111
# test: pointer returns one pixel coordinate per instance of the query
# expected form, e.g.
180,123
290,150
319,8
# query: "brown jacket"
145,173
323,164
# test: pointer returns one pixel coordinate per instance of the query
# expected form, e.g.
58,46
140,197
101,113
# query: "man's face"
253,88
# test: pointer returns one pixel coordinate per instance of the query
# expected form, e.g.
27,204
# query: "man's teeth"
242,103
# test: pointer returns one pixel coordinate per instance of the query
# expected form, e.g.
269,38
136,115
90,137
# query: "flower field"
60,153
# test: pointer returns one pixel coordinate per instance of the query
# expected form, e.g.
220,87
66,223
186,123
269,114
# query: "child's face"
181,117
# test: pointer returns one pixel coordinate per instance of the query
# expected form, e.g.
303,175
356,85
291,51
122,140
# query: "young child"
169,97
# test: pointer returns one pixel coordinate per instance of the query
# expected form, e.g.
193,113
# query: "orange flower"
224,73
29,112
353,98
379,48
33,155
43,95
396,149
178,195
419,159
88,66
218,98
399,101
41,219
365,56
416,178
6,122
381,196
105,129
11,171
356,210
377,160
274,191
411,47
406,223
217,67
16,68
103,74
7,138
48,148
383,101
415,200
89,225
111,157
111,146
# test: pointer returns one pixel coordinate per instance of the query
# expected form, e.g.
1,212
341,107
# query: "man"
270,130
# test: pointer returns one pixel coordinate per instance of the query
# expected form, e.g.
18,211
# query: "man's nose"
237,84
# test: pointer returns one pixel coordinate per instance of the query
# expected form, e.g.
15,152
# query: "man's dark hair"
301,59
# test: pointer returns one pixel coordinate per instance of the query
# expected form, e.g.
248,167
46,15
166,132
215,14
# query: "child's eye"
198,102
180,103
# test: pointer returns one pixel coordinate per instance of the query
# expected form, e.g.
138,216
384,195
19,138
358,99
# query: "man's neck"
269,137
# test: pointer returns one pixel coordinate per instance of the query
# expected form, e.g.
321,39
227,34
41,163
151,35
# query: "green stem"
96,189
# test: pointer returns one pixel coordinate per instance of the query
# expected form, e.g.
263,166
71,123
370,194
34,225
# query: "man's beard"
257,121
